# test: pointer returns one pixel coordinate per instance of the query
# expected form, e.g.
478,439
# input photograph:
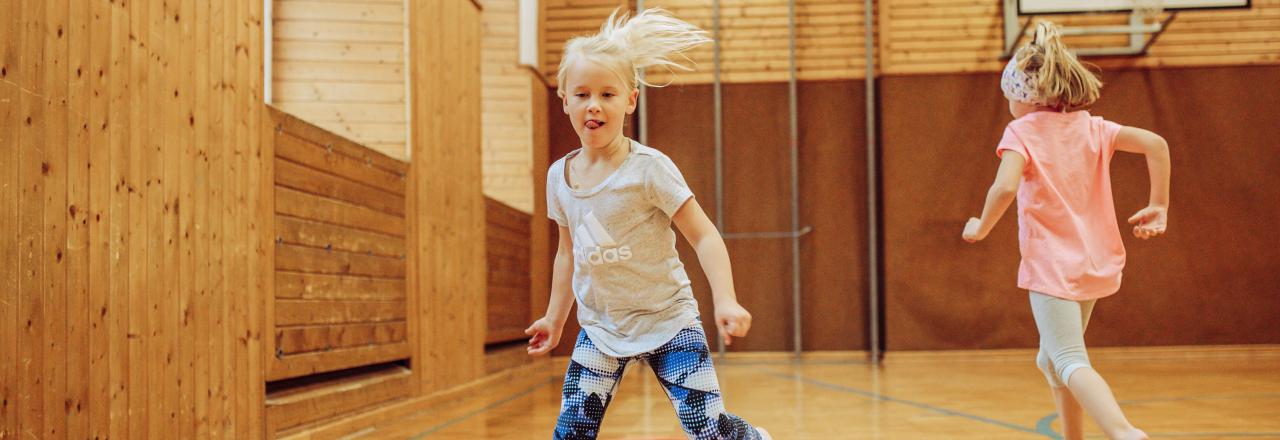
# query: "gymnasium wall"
337,313
952,36
446,262
506,107
341,65
132,193
1210,280
829,36
757,199
937,86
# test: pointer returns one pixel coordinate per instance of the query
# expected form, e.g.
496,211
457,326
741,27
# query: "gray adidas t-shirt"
632,290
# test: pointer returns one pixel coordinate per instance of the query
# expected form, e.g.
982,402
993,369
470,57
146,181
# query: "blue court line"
459,419
924,406
1044,425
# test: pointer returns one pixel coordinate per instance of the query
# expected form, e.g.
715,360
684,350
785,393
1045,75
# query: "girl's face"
597,102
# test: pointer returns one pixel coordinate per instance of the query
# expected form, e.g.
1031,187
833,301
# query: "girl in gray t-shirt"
614,201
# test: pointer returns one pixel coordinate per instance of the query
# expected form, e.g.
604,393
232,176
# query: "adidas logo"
594,245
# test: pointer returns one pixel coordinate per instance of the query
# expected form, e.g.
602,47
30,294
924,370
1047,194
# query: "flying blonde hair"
1061,80
629,46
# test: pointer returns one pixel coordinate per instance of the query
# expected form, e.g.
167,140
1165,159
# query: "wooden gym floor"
1189,393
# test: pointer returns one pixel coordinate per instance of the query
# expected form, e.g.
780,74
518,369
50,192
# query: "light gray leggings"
1061,323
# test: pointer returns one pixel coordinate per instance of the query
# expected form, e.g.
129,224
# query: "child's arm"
1152,220
545,332
1001,194
731,318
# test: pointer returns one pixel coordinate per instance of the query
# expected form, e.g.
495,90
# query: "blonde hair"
1062,80
628,46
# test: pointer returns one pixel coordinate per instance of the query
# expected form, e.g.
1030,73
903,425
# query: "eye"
608,95
580,95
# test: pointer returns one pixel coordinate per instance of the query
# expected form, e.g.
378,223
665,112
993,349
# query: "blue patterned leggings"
683,367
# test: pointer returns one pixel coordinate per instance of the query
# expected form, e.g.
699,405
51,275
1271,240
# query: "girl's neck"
619,147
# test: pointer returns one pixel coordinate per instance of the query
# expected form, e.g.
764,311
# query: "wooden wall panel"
339,220
341,66
754,37
291,409
541,243
1185,288
121,123
446,238
506,108
757,199
507,251
938,36
914,37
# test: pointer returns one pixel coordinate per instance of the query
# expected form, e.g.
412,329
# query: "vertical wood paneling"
447,238
77,215
10,121
31,173
54,168
111,219
119,123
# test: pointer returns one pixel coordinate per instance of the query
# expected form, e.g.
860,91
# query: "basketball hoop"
1148,10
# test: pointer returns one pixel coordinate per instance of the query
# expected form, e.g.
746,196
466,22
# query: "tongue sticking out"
594,124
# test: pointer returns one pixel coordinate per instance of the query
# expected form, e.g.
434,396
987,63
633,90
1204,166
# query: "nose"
593,106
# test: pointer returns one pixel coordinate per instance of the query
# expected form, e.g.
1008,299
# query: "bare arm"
545,332
1152,220
1003,190
1137,140
731,318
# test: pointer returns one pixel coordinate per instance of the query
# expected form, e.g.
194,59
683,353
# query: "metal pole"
642,126
795,180
719,131
873,252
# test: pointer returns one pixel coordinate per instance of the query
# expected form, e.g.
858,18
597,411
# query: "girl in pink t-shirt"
1067,230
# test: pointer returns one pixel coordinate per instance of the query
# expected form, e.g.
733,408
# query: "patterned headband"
1018,85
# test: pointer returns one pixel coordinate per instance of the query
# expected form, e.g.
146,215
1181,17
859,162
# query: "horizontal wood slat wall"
913,37
506,108
938,36
754,37
507,250
289,412
134,265
341,66
339,253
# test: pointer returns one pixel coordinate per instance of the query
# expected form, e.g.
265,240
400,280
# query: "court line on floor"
1045,424
486,408
921,405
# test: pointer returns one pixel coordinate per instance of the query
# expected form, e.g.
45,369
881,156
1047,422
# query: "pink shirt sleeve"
1011,142
1106,131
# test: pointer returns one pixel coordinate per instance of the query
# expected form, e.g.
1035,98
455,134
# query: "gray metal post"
642,126
873,251
795,180
719,130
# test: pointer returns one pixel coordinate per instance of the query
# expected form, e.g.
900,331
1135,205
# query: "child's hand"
1150,222
973,231
732,320
545,336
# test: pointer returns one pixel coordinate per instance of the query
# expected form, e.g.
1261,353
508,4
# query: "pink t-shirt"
1067,230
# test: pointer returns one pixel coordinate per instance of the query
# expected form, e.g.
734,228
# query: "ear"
564,103
632,100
